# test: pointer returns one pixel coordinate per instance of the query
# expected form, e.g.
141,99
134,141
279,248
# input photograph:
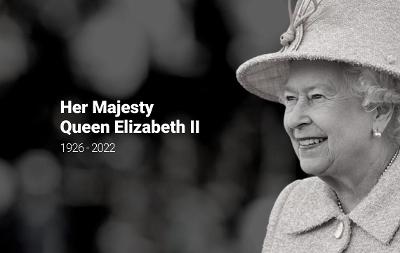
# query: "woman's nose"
298,116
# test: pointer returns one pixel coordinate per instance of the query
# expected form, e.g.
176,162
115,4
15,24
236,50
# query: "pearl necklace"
394,157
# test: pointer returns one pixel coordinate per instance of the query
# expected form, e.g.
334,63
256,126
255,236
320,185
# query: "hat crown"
297,17
338,24
363,32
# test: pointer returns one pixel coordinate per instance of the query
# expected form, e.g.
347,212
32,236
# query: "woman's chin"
314,166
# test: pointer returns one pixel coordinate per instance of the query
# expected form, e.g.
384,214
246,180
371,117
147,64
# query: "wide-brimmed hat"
363,33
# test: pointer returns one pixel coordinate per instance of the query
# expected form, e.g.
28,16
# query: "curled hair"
375,90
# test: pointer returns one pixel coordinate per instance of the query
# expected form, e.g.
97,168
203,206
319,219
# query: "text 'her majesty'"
105,107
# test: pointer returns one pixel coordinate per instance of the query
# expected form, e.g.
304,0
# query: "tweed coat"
306,218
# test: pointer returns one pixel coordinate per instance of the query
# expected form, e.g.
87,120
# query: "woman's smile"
310,142
312,148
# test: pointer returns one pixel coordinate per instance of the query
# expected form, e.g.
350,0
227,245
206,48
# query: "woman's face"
329,129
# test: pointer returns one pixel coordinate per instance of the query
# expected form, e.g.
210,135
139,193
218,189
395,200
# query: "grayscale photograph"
199,126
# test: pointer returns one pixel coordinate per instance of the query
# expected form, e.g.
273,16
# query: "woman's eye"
290,98
317,96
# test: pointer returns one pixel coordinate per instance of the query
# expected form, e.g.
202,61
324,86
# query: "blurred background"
209,192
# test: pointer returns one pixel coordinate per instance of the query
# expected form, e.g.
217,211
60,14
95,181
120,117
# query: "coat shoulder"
297,188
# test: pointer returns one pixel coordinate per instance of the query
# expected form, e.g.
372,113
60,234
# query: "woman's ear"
382,116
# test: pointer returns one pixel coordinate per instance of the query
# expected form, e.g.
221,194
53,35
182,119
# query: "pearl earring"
376,133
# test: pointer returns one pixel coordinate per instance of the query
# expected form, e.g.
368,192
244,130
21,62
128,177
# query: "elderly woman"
338,77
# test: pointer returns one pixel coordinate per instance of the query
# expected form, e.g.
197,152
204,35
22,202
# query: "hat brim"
265,75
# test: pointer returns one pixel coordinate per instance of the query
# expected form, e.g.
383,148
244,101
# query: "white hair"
376,89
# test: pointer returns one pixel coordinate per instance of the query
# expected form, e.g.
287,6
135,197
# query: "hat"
364,33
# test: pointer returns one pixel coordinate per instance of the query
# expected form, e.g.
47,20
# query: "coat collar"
312,204
379,212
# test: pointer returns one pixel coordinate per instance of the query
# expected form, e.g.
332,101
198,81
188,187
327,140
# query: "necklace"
394,157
